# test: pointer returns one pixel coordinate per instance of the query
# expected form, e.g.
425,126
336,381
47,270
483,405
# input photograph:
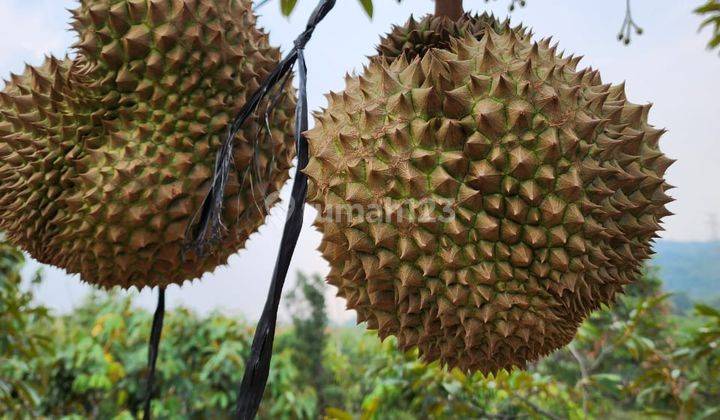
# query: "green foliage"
606,359
639,358
384,383
287,6
21,347
711,13
635,360
309,337
700,355
367,6
100,365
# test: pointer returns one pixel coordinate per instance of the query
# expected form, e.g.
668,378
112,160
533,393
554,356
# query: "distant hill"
692,268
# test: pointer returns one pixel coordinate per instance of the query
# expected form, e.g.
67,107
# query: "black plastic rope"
257,366
206,226
153,348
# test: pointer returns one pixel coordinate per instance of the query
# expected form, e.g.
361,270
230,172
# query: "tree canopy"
633,360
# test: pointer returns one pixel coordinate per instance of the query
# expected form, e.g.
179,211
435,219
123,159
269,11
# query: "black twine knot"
302,40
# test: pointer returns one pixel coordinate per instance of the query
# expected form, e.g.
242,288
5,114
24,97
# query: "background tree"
632,360
21,343
306,302
607,354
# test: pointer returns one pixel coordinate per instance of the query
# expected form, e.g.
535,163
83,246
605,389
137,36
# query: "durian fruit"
106,157
479,200
416,37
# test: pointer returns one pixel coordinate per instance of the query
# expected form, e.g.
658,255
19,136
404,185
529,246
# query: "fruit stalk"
452,9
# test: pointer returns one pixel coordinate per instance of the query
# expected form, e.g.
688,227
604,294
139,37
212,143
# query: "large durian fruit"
479,196
105,158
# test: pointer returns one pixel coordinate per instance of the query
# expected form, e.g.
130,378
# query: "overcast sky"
668,66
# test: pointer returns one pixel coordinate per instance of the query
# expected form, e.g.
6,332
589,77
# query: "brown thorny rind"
105,158
555,180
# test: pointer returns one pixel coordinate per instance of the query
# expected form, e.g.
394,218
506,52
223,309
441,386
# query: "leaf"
711,9
710,6
609,377
452,387
29,393
368,6
706,310
710,412
287,6
337,414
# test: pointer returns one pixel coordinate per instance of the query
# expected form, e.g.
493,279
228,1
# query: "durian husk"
554,179
416,37
105,157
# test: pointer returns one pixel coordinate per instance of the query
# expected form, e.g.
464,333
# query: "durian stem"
452,9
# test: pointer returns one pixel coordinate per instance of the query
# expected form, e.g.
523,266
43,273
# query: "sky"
668,66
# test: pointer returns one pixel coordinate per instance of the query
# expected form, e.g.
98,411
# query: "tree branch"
629,25
537,409
452,9
584,372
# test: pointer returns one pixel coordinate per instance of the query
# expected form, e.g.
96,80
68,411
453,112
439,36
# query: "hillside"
692,268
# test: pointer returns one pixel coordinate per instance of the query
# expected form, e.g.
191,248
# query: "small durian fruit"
105,158
480,196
